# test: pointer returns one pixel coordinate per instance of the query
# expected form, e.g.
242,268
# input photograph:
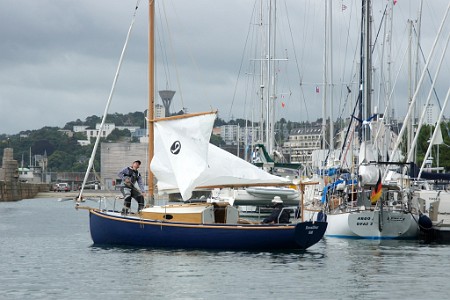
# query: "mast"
330,69
261,85
325,83
410,90
387,118
151,96
273,85
367,90
268,121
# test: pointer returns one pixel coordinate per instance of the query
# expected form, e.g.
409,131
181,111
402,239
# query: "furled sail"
368,172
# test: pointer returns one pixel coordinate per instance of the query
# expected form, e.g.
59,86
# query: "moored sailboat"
183,160
363,205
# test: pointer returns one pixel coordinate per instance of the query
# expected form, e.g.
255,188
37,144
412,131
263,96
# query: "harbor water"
46,253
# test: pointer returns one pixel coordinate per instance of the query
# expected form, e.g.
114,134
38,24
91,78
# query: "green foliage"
118,135
216,140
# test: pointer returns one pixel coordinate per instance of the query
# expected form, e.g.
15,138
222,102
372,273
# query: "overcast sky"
58,57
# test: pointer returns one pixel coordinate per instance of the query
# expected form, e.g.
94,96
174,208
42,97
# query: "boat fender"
425,222
321,216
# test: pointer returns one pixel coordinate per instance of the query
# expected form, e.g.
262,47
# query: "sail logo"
175,148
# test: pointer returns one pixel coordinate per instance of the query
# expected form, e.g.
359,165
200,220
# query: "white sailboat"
367,207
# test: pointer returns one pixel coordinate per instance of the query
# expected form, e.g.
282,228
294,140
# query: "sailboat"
183,160
366,205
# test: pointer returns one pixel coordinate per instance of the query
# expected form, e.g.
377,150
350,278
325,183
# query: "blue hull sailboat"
184,161
113,229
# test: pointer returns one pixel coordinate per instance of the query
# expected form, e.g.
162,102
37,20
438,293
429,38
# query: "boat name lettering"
312,227
363,218
396,219
364,224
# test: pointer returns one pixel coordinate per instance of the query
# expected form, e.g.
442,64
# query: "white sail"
181,154
226,169
185,160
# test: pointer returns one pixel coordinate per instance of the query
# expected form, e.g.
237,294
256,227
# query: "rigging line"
173,54
296,60
345,60
408,114
428,100
105,113
164,53
348,130
379,28
242,59
391,92
428,73
431,80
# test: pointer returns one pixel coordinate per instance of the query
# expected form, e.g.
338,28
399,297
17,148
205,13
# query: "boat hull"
112,229
373,225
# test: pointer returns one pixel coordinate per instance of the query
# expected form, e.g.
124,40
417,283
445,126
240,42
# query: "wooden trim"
182,116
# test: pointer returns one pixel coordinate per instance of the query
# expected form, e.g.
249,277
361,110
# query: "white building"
301,144
107,129
431,114
229,134
80,128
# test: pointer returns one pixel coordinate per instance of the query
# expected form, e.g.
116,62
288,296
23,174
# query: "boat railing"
288,209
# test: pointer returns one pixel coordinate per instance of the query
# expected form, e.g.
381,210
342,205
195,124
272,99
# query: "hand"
127,180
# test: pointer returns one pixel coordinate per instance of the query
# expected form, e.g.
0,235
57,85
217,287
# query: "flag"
282,104
317,89
376,192
395,2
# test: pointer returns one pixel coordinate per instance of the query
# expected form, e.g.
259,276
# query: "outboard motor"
321,216
425,222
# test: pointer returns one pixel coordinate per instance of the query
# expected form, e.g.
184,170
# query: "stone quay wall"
11,189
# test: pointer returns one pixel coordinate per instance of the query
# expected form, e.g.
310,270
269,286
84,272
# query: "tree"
119,135
216,140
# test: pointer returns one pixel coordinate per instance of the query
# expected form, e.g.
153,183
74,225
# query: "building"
301,144
431,114
230,134
115,156
107,129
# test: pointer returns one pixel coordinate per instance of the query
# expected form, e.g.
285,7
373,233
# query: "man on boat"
279,215
130,177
